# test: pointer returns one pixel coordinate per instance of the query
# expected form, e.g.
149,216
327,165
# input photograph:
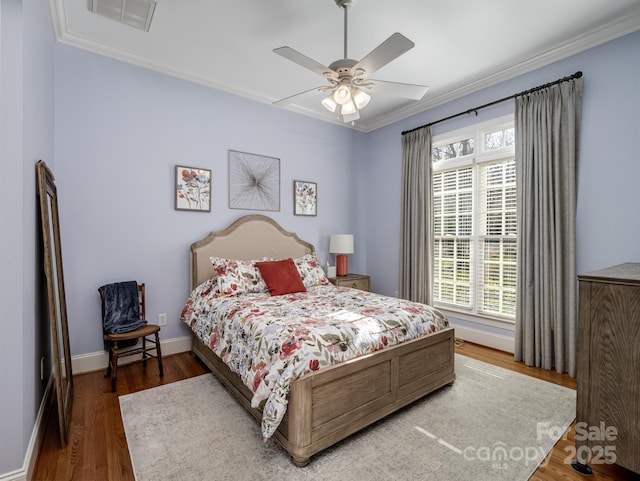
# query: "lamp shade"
361,98
341,244
348,108
342,95
329,103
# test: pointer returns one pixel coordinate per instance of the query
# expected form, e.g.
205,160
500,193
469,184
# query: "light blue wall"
120,130
26,135
608,222
11,252
38,108
126,128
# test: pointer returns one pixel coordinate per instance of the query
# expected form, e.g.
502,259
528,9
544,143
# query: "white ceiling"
461,46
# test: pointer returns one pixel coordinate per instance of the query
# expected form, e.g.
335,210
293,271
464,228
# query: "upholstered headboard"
250,237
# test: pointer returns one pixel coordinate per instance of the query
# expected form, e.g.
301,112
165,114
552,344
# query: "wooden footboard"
328,405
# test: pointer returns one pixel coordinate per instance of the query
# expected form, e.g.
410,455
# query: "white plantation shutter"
497,238
453,216
475,227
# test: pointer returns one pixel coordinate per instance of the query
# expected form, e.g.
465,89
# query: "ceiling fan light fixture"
347,77
361,98
342,95
348,108
329,103
351,117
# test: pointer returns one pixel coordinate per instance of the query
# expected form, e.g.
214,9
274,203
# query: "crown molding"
629,23
623,25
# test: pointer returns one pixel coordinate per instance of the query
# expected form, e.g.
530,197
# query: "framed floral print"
254,181
305,197
193,189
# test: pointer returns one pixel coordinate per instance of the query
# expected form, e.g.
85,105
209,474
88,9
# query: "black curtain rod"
475,110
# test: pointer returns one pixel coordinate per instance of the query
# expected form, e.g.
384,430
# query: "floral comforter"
271,341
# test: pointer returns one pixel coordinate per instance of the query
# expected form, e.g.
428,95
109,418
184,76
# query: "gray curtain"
416,242
547,126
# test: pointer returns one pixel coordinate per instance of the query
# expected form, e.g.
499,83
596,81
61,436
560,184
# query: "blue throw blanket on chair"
121,307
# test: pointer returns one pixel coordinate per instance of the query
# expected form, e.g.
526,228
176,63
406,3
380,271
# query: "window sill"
487,321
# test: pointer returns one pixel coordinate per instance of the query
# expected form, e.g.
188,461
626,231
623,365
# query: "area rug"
492,424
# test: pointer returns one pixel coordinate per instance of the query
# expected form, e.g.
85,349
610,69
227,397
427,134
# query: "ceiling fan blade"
293,98
397,89
390,49
303,60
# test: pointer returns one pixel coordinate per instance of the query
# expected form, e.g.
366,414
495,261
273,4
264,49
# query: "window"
475,227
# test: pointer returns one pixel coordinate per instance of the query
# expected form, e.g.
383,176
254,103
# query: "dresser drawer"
354,281
362,284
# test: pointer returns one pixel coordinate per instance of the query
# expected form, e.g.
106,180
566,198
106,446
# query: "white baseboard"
96,361
495,341
17,475
37,436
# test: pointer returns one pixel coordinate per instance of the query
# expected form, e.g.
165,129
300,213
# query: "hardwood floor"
97,449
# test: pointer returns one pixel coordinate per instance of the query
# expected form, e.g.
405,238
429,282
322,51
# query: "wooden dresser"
608,378
355,281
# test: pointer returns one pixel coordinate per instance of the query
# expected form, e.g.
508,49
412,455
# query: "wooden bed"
327,405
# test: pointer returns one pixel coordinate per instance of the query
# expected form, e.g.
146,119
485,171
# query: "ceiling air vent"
135,13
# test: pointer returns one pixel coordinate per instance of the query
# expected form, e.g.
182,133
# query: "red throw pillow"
281,277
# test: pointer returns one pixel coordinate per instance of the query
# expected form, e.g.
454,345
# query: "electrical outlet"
162,319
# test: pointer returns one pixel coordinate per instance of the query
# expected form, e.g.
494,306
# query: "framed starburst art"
254,181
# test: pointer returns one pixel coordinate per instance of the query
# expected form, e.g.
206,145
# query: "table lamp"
341,244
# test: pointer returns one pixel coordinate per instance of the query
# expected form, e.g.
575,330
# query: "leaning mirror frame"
57,307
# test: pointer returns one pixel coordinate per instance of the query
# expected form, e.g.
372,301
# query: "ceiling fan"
349,78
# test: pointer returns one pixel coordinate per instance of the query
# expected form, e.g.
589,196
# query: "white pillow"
310,271
235,277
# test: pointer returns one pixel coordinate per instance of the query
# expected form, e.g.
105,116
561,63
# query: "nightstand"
355,281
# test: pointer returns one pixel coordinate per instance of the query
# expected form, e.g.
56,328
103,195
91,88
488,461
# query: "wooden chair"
112,340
